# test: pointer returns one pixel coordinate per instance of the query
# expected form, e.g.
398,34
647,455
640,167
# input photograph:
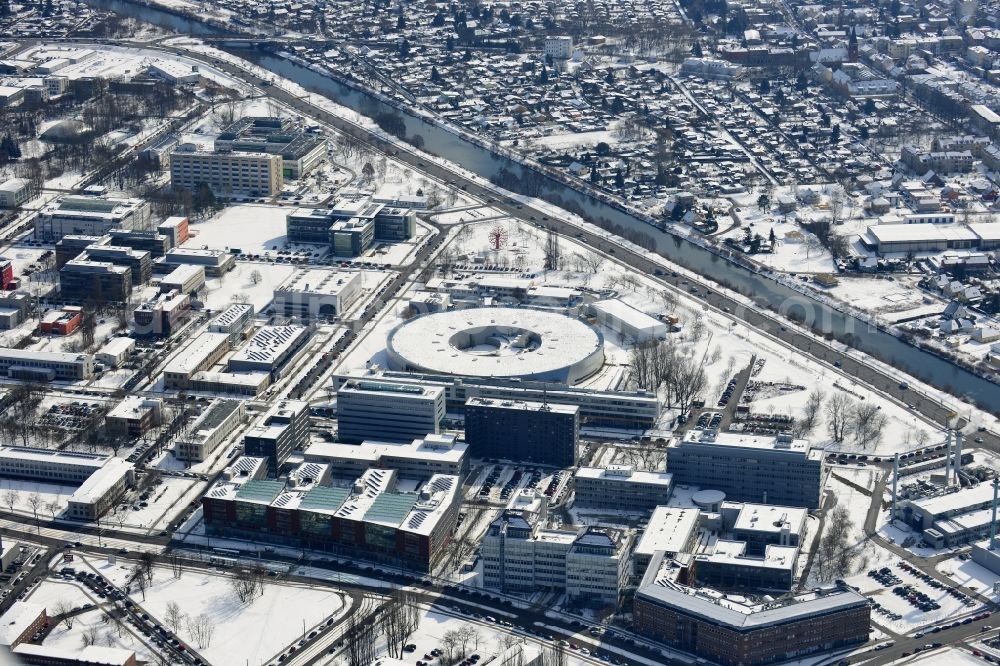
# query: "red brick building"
734,635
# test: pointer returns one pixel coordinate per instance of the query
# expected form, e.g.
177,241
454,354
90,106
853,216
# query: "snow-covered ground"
284,609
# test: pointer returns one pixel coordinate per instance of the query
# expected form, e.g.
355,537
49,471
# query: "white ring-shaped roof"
498,342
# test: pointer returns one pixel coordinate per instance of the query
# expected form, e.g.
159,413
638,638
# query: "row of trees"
661,365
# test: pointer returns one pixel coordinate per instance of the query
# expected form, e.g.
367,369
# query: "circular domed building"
521,343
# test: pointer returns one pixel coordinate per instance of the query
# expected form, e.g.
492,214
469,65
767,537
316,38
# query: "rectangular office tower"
749,468
523,431
283,429
388,412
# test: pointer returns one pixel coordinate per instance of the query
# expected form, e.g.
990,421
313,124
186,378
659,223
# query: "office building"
45,366
270,349
300,150
763,525
531,432
101,479
226,174
115,352
133,417
97,281
234,321
176,229
620,409
216,262
72,246
317,294
162,315
185,279
371,410
143,240
431,454
13,309
349,226
201,354
519,556
93,216
138,261
285,428
246,384
728,566
742,631
951,518
209,430
14,192
630,323
620,488
61,322
670,530
749,468
350,238
375,517
598,567
101,491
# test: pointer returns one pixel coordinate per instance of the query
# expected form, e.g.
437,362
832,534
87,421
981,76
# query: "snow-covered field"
284,609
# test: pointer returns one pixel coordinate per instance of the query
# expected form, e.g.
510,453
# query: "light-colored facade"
749,468
372,410
203,352
234,321
15,192
48,366
86,215
621,488
254,174
317,294
209,430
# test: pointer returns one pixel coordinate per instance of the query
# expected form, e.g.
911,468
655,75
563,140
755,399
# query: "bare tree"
256,277
248,583
11,497
63,610
399,620
201,629
35,502
147,562
138,578
838,414
834,555
868,424
359,641
176,565
174,616
90,636
811,412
